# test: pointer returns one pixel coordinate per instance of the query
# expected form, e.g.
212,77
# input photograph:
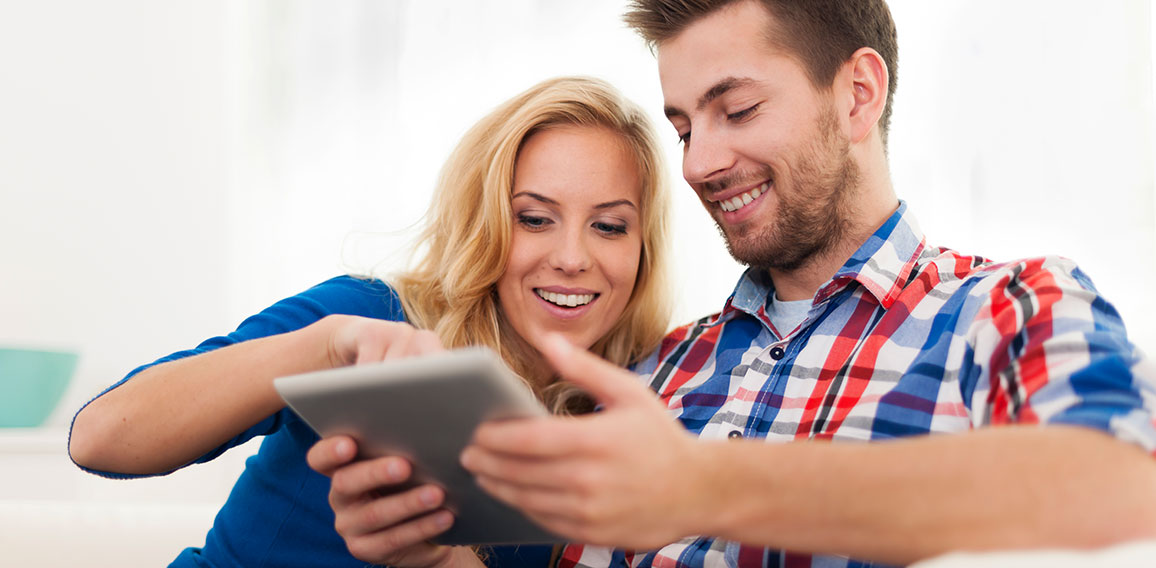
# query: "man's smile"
743,199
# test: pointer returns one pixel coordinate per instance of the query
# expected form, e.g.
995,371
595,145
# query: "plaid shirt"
904,340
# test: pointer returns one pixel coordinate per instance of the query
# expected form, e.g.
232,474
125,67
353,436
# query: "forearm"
170,414
903,500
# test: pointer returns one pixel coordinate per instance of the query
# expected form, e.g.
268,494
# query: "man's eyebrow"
716,91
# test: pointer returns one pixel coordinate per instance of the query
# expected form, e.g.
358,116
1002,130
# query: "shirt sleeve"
1056,352
341,295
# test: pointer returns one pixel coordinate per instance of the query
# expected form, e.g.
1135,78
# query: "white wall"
168,168
113,179
1026,127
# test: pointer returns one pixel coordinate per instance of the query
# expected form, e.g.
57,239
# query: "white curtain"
1020,128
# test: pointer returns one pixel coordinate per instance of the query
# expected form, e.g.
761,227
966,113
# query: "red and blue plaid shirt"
904,340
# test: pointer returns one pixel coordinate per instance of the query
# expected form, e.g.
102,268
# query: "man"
1004,405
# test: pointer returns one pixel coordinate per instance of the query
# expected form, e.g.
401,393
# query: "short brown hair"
823,34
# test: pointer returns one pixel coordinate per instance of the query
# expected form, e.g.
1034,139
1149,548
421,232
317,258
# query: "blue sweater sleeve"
341,295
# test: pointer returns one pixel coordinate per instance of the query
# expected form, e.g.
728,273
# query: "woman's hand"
381,521
357,340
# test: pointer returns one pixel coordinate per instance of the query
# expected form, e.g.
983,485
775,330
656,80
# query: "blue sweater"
278,513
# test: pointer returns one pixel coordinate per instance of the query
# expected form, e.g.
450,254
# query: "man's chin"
745,252
757,252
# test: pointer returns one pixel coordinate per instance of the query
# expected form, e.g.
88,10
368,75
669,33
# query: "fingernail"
394,471
443,520
467,458
428,497
345,449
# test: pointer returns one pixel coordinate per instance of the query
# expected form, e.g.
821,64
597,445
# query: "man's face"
765,152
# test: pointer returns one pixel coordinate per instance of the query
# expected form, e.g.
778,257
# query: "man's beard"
813,213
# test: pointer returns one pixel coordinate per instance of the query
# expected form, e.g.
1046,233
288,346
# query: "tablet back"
426,409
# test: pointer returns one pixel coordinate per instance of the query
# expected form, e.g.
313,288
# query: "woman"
548,217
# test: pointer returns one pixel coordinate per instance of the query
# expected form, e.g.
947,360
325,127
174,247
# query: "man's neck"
802,283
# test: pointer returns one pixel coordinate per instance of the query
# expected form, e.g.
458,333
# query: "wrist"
322,340
720,494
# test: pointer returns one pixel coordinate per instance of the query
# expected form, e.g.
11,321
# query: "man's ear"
866,75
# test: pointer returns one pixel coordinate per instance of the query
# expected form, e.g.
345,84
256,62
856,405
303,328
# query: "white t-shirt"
786,316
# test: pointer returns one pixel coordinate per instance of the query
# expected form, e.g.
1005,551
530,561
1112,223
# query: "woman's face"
577,238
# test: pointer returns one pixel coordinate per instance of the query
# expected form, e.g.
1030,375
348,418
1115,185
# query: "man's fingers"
532,500
530,471
607,383
546,437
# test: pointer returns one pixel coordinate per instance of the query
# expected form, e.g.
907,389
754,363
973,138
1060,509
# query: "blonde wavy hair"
464,247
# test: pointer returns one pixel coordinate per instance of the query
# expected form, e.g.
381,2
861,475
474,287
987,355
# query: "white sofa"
53,515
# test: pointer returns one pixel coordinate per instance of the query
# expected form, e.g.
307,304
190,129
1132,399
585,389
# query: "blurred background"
168,168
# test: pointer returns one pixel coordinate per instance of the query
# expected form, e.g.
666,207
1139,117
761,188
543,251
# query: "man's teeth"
568,300
740,201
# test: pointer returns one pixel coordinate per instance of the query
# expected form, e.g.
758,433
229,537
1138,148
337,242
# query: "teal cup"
31,384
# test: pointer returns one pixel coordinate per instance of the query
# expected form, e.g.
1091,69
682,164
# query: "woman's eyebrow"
549,201
534,196
616,203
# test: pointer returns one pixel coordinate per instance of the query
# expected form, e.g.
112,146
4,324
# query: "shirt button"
777,353
735,434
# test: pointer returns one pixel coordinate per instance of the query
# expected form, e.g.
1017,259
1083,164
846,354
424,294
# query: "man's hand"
622,476
394,529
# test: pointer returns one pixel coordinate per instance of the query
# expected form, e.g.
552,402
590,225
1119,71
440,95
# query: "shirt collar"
881,265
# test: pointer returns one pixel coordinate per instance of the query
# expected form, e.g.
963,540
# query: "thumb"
608,383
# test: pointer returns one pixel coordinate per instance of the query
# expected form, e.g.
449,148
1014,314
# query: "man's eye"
684,137
742,114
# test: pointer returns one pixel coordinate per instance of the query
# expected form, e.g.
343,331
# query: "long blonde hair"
466,240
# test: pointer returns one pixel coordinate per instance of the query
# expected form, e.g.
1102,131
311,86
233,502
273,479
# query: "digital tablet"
426,409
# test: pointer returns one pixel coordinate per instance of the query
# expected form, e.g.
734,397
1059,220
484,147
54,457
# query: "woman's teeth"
568,300
740,201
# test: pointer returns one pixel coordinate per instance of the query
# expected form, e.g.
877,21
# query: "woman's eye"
610,228
532,222
742,114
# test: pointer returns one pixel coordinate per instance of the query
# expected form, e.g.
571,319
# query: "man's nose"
706,156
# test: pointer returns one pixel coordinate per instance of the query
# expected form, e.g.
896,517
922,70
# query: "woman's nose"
570,254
